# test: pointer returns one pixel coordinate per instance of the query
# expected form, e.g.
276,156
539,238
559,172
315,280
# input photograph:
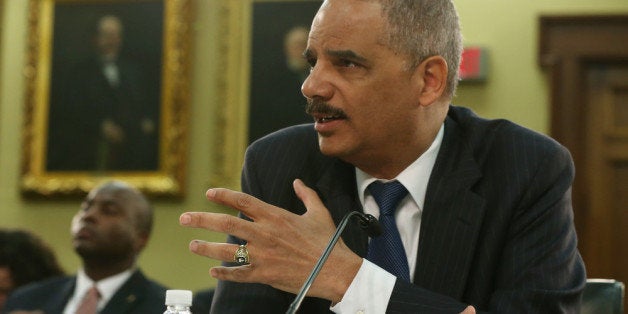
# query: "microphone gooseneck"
367,222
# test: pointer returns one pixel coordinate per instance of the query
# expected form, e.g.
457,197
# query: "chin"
332,148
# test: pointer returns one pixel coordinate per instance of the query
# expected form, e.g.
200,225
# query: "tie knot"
89,303
94,291
387,195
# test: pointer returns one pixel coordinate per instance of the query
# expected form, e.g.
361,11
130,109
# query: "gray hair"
425,28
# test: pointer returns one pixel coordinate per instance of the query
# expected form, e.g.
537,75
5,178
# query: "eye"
110,210
311,62
348,63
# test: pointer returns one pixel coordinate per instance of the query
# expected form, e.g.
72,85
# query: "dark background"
276,100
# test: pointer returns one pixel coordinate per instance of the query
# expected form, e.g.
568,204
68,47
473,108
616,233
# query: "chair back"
603,296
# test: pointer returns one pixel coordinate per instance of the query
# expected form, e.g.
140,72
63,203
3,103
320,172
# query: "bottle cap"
179,297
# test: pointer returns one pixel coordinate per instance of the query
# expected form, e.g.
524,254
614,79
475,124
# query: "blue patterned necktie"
387,250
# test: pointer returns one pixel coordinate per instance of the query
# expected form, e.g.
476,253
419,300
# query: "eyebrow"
343,54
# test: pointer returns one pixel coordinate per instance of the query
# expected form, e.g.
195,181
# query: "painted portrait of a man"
105,87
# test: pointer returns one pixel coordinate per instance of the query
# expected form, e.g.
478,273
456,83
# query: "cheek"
125,233
382,117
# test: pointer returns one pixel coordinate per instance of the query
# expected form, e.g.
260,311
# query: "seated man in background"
24,258
109,231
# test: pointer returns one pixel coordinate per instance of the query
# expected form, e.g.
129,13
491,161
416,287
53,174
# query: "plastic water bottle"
178,302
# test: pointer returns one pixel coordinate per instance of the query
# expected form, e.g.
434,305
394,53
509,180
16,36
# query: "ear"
432,73
142,241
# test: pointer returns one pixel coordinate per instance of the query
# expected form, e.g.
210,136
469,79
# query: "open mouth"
322,112
328,119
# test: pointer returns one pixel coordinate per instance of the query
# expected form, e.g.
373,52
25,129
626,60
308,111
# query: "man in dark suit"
109,231
485,225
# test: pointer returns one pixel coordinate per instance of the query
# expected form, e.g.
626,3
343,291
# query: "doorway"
587,61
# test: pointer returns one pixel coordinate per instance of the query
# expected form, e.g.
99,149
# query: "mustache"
318,106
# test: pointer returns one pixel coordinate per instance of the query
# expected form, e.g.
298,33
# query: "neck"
389,168
99,269
388,163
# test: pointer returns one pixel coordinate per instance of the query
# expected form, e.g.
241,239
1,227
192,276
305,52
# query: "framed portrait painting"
107,95
264,70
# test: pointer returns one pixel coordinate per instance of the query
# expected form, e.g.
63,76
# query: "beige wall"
516,89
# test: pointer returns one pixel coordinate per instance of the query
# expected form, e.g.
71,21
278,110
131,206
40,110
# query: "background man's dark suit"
137,295
496,230
80,105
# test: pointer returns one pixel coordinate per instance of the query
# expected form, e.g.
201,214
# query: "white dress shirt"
372,287
112,73
106,287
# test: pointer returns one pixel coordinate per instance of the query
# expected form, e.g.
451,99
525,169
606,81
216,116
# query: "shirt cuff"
369,291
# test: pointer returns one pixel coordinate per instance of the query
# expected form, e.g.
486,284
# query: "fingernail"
211,193
185,219
193,245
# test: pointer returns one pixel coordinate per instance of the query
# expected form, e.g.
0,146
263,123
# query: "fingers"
305,194
222,223
218,251
311,200
237,274
242,202
223,252
278,240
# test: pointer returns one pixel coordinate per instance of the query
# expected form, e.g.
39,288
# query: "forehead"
111,194
110,24
348,22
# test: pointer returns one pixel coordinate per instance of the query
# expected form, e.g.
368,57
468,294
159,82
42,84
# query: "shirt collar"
107,287
414,178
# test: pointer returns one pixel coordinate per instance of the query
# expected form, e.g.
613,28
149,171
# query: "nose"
317,84
88,213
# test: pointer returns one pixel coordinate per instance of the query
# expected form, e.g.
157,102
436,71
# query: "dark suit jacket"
202,301
497,228
137,295
81,100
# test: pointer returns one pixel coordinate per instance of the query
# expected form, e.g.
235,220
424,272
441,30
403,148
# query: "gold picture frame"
156,161
238,61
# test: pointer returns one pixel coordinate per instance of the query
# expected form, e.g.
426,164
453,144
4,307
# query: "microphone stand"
366,221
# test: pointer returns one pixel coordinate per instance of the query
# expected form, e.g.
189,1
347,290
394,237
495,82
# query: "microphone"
367,222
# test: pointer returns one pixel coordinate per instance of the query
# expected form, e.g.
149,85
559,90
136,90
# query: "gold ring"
241,255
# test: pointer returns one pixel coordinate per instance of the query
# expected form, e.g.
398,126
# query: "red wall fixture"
473,66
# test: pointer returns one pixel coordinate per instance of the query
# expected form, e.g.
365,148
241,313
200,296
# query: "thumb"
313,204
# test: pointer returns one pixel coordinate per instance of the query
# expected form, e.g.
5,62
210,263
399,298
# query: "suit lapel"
127,296
337,188
57,304
451,217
